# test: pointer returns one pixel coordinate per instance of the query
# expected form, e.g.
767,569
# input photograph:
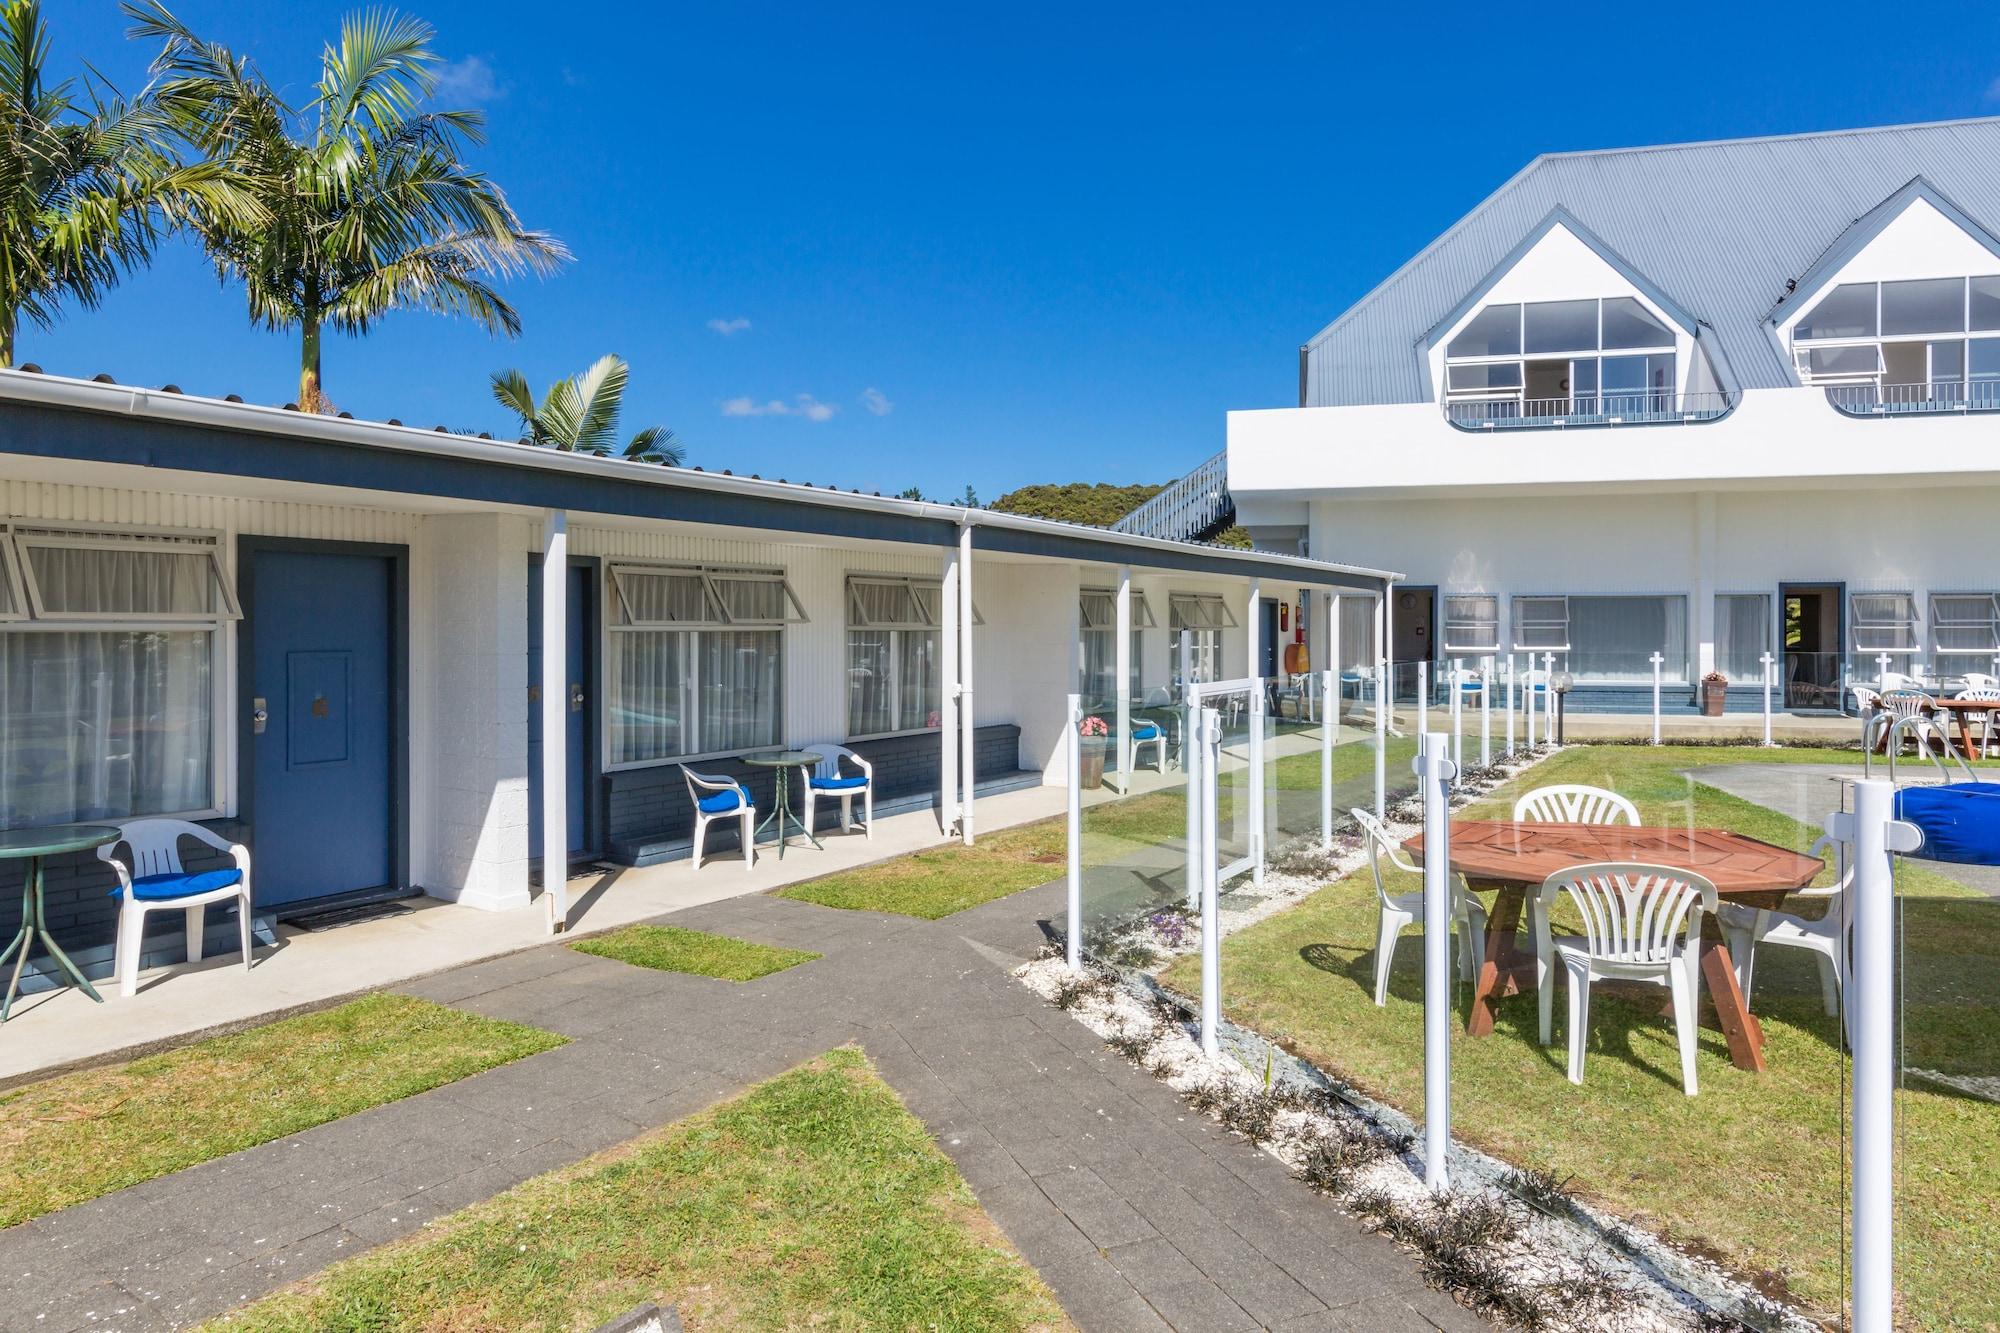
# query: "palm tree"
84,191
580,414
370,209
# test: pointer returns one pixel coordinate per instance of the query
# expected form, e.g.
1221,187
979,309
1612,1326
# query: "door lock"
575,697
259,715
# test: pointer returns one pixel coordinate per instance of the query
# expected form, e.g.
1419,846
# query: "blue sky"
938,245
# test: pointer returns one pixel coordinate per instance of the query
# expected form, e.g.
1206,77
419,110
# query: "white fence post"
1548,698
1528,699
1510,703
1073,751
1381,738
1486,711
1457,712
1195,760
1768,673
1874,834
1329,683
1436,773
1423,697
1210,725
1257,776
1657,660
1881,667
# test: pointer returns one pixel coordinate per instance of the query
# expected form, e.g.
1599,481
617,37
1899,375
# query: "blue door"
321,745
577,708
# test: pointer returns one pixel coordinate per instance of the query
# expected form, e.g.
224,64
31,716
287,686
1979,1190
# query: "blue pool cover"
1960,822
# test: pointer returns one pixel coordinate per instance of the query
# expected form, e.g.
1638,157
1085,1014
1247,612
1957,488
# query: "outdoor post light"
1560,684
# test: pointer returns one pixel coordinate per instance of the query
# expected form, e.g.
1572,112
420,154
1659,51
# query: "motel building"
1711,401
342,643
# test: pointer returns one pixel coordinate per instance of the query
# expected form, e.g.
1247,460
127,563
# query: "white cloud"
730,327
470,81
876,401
1993,91
801,405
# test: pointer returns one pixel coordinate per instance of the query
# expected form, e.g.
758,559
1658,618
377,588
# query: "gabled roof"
1865,229
1718,228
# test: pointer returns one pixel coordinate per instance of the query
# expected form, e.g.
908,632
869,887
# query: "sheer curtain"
1742,635
649,680
1613,639
1357,633
138,583
105,725
739,689
869,702
1097,666
918,679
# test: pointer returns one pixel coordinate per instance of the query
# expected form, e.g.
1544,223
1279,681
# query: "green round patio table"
784,761
33,845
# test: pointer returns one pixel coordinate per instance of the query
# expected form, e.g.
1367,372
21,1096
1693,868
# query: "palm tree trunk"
9,319
311,398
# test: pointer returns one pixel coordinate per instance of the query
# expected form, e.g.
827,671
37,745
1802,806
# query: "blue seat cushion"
1146,733
163,888
838,784
721,803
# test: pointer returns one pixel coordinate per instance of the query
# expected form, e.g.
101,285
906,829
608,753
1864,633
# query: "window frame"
895,630
1856,624
719,616
1491,624
1516,621
1176,601
1522,357
1991,622
1965,334
24,537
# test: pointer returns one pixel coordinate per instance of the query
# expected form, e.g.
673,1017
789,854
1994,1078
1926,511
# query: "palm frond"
600,392
511,391
377,75
656,444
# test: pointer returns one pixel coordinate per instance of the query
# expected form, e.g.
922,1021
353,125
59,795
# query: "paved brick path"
1139,1213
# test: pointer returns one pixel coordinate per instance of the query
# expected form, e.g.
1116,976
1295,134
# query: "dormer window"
1904,346
1602,358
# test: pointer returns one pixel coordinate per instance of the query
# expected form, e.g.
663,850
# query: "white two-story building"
1708,400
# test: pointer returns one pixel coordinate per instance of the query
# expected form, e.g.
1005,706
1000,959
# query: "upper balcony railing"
1639,407
1892,400
1188,507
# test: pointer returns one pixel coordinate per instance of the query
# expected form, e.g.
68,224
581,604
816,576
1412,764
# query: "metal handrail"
1619,407
1950,396
1187,507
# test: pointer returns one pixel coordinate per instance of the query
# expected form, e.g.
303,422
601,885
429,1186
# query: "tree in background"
1099,504
580,414
368,206
84,191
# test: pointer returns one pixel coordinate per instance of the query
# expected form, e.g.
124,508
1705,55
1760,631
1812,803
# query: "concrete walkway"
1139,1213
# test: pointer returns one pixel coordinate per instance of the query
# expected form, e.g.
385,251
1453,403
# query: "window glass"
1541,622
1484,375
1883,622
662,597
1848,311
1844,360
919,681
883,603
648,714
871,697
1742,634
1614,638
739,689
1948,361
107,725
1629,324
1967,624
1983,304
893,645
1494,331
75,580
1560,326
1928,305
1583,376
1098,609
1471,624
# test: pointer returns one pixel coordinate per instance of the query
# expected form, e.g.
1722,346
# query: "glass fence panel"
1133,847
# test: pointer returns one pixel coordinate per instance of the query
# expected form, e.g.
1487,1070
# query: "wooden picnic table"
1510,860
1963,710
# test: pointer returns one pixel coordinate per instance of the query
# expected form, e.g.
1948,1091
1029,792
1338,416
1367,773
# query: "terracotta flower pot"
1091,760
1714,691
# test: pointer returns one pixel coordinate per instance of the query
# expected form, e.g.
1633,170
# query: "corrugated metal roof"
1719,227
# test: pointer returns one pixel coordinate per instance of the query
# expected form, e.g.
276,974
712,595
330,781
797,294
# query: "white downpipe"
1510,703
1423,697
555,719
1329,681
1257,776
1768,674
948,696
1875,835
966,776
1195,759
1073,759
1211,929
1656,660
1528,700
1333,656
1486,711
1435,774
1122,661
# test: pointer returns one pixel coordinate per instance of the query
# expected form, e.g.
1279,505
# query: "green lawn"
77,1136
948,878
815,1200
1753,1166
673,949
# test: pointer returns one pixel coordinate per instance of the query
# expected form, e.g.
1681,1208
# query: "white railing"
1620,407
1949,396
1187,508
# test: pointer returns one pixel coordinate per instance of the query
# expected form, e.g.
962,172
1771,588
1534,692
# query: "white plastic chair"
154,880
1640,923
1147,731
1917,709
1748,927
828,781
717,797
1404,910
1896,680
1979,680
1574,803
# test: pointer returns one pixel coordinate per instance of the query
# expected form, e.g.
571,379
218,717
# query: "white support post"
1528,700
1381,740
1510,703
1329,681
1423,697
1435,775
1657,660
1486,711
1257,778
1457,679
1333,656
1548,698
1195,760
966,776
1875,835
1254,632
1122,662
1073,756
948,697
1768,674
555,718
1210,726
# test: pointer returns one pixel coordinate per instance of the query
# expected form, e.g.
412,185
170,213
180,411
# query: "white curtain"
649,681
870,701
1357,633
740,680
1098,666
1742,635
137,583
104,725
1613,639
919,681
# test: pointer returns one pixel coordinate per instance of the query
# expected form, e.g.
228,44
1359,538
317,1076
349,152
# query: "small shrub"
1540,1189
1334,1156
1135,1042
1209,1096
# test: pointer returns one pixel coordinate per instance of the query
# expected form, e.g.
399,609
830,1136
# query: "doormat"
335,917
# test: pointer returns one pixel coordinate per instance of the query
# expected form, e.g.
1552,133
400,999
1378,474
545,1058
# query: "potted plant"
1714,689
1096,737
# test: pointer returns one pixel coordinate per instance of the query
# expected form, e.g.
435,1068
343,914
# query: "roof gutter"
190,410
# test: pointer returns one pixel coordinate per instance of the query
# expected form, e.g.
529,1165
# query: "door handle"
259,715
575,697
